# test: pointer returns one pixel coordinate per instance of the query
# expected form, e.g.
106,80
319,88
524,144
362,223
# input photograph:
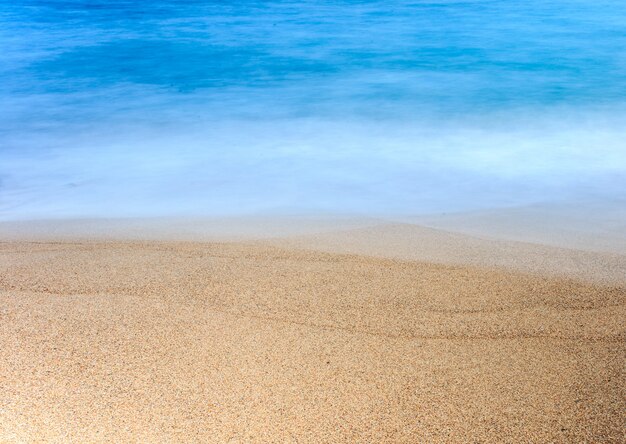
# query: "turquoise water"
136,108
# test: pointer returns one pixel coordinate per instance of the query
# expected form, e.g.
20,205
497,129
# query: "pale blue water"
132,108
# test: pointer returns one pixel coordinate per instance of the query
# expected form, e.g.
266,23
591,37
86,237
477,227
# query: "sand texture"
111,341
411,242
523,246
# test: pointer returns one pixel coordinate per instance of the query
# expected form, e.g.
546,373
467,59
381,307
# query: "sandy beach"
352,332
312,222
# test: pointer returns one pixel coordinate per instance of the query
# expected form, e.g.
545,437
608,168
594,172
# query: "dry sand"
417,335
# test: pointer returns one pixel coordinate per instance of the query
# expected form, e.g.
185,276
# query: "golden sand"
248,342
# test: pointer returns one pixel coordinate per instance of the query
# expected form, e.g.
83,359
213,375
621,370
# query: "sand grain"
245,342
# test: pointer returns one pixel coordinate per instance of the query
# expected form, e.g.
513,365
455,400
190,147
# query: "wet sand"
364,334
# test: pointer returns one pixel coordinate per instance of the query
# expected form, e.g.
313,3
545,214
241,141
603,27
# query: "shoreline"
476,239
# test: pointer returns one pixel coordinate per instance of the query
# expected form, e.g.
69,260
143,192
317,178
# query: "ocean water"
169,107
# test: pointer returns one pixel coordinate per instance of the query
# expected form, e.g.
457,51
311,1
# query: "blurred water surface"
133,108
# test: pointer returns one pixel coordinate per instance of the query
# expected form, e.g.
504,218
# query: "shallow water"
133,108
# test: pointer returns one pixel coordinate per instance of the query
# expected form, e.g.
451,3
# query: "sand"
368,333
590,226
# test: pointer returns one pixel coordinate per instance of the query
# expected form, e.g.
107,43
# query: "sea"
123,108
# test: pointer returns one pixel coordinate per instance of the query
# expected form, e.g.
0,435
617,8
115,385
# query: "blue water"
136,108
